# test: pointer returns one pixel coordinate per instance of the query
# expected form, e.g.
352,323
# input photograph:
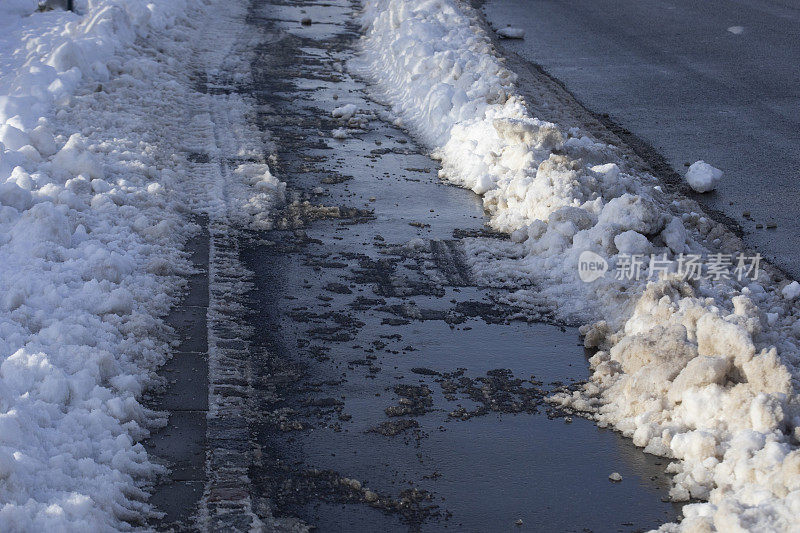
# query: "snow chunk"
42,139
633,213
14,196
43,223
345,112
510,32
791,291
632,243
76,159
675,236
13,138
340,133
702,177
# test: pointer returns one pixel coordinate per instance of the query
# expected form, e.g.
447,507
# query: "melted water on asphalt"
378,360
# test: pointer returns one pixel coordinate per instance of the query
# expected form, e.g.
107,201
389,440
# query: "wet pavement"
681,81
387,390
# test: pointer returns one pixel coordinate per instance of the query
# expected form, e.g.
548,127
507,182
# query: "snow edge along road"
700,370
108,148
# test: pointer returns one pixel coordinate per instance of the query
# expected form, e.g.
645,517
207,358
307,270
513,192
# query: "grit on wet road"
388,390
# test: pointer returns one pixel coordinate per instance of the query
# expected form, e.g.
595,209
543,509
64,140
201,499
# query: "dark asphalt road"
390,393
717,80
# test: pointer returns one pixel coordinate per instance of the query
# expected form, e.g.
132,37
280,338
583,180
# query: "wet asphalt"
716,80
389,391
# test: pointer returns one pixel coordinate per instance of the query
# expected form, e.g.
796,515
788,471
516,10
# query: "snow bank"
93,188
702,370
79,288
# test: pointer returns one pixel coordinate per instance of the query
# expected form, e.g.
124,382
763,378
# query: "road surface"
378,388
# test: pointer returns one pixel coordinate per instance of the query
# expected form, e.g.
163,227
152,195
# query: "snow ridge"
99,133
89,236
702,371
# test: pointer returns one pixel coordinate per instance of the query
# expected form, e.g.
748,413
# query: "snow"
791,291
632,243
94,194
702,371
345,112
510,32
16,8
702,177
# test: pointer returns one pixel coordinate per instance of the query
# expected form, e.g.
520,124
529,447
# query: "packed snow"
93,214
702,177
702,370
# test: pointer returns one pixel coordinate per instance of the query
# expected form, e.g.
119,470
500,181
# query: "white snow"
791,291
510,32
700,371
702,177
632,243
345,112
16,8
94,188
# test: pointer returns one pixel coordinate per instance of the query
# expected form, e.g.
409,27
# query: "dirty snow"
701,371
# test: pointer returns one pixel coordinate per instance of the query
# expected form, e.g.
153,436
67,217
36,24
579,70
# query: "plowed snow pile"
703,371
93,181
